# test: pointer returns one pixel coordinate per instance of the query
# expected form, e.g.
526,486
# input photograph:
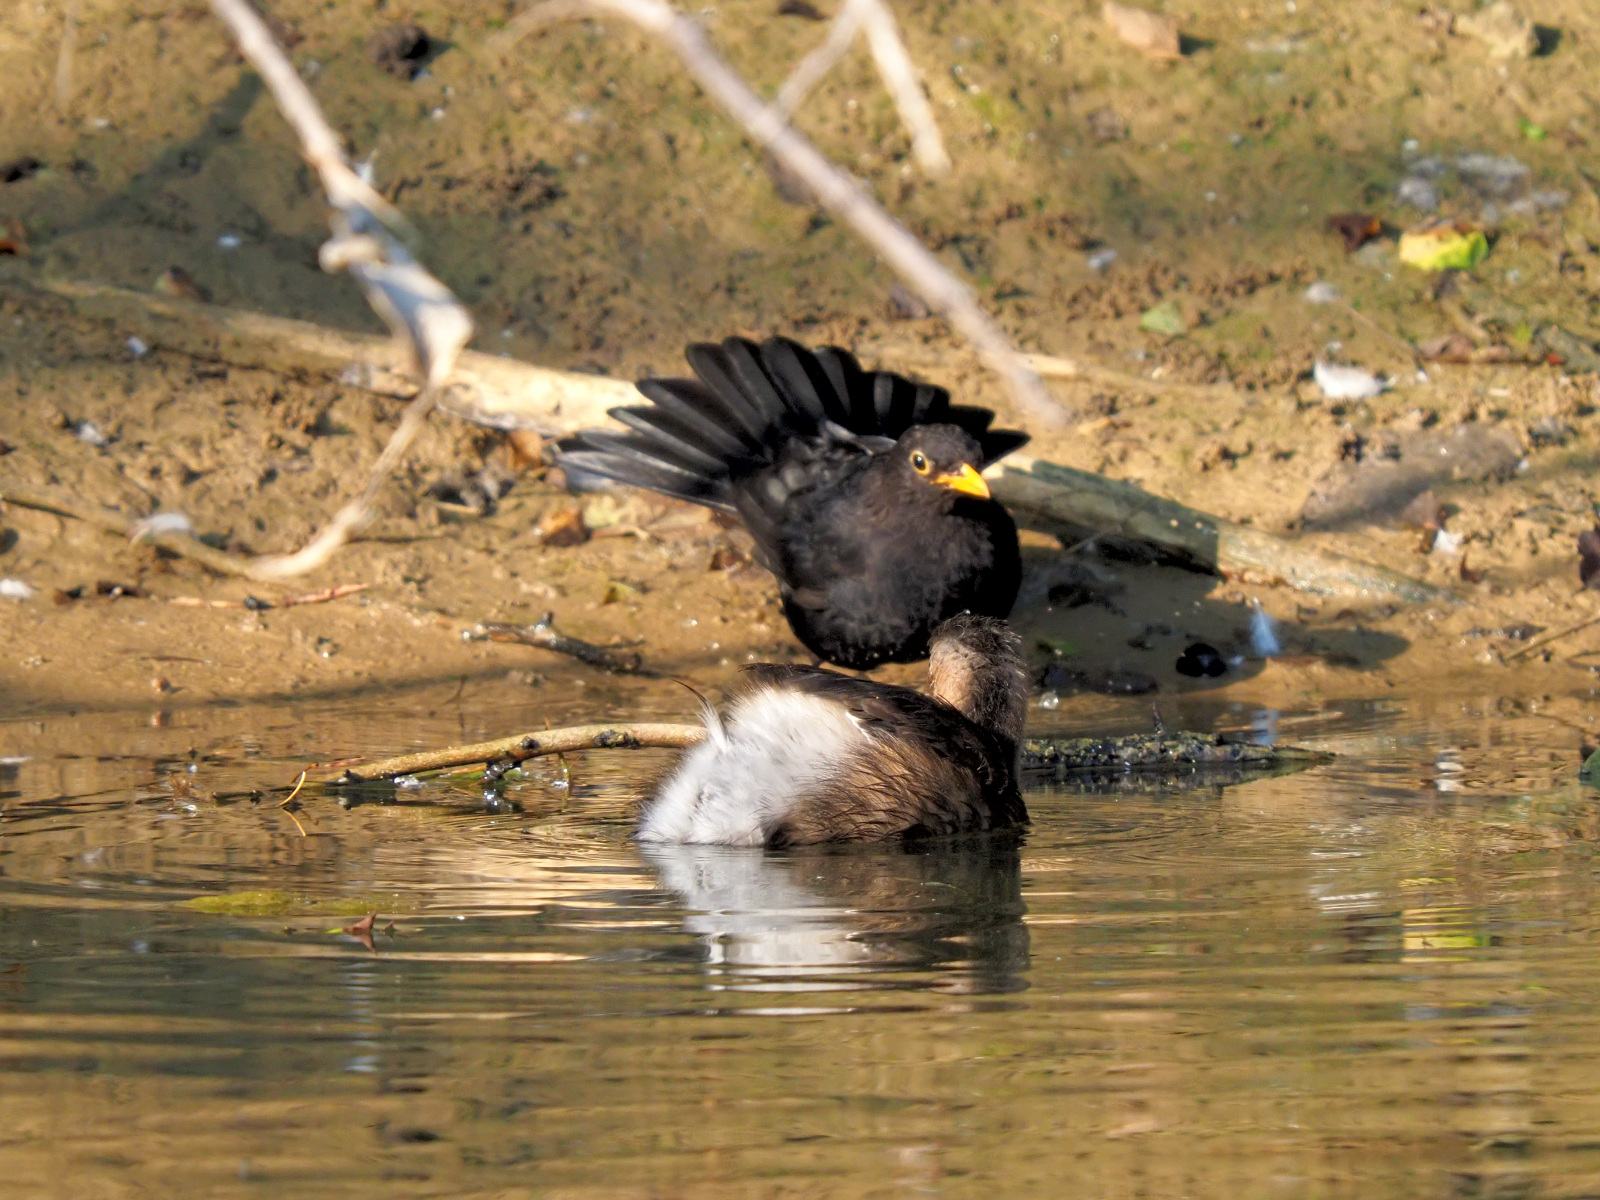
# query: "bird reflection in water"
942,917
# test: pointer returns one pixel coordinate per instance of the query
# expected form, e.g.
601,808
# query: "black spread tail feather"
699,438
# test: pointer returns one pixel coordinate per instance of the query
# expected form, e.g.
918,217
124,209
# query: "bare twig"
525,745
64,58
357,512
184,544
808,72
320,597
543,635
318,142
900,77
894,66
834,189
1531,647
1054,367
419,310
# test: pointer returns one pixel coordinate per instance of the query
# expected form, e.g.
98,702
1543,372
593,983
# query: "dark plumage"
807,755
860,488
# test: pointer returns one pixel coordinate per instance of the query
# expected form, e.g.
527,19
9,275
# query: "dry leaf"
1357,229
175,281
362,931
1425,512
524,448
563,527
1448,348
1147,32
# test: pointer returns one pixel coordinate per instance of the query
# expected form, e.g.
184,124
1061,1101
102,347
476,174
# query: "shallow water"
1373,978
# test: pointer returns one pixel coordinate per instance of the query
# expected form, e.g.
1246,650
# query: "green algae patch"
272,903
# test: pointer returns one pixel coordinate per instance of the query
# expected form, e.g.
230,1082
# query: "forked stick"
808,72
894,66
834,189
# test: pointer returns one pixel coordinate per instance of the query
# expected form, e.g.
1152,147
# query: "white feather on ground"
748,776
1346,383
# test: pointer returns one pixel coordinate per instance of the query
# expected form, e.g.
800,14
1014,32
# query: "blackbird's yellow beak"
965,480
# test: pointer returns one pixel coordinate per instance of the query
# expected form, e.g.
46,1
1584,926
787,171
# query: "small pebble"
399,49
229,241
1419,193
15,589
1322,292
137,347
1101,259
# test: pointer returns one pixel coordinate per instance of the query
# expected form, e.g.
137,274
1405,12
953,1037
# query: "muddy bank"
594,214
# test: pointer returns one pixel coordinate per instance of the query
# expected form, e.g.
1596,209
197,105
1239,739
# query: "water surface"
1374,978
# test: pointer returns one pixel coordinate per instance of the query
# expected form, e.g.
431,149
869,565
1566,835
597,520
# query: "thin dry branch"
419,309
524,745
177,543
836,190
808,72
65,56
900,77
894,66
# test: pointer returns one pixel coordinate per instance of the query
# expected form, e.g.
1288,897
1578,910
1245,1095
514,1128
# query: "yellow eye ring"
919,462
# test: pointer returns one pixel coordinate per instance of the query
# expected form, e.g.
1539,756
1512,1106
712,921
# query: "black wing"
776,408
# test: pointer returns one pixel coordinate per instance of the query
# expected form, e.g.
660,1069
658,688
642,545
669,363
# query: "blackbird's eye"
919,462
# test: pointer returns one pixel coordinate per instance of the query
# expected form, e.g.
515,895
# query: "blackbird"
861,489
808,755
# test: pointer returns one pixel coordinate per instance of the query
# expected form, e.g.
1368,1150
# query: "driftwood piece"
500,392
1142,752
1050,497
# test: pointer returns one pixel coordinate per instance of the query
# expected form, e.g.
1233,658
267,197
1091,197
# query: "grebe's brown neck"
975,666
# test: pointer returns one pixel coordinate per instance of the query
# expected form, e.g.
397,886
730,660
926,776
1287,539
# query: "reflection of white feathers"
1263,633
749,911
746,778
